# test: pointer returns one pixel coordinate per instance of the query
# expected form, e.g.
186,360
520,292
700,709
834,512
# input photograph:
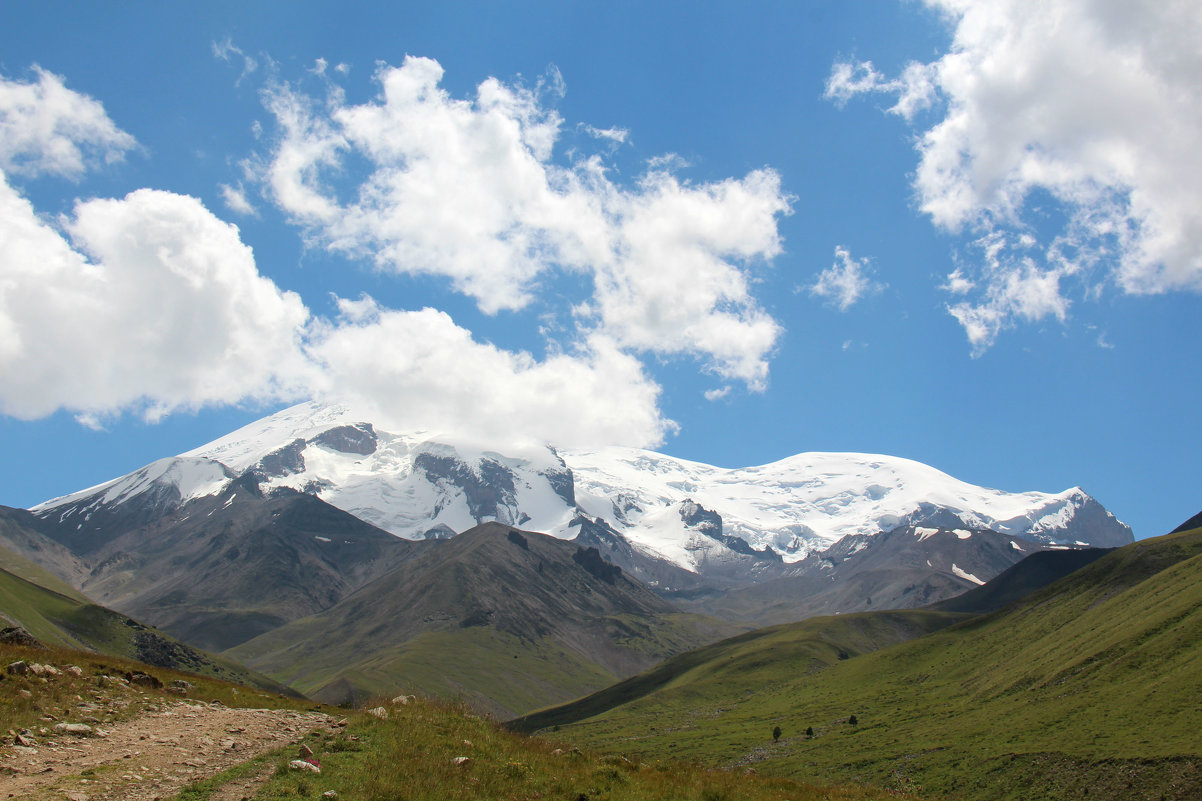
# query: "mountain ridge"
418,487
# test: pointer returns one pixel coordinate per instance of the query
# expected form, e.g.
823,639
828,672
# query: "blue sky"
734,232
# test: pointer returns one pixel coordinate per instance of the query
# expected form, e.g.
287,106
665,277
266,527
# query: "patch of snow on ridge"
964,574
192,477
924,533
243,448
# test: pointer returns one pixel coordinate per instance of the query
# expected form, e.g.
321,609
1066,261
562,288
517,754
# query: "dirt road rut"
150,757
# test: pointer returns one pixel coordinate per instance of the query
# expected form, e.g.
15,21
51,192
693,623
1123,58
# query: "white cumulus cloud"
1092,105
469,190
151,304
418,369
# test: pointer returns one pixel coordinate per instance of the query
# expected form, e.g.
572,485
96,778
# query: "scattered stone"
19,668
342,724
77,796
379,712
74,670
305,751
300,764
77,729
24,693
461,761
15,635
402,700
468,743
28,742
329,794
144,680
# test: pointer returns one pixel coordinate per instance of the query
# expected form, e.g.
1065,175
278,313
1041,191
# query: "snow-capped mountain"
421,486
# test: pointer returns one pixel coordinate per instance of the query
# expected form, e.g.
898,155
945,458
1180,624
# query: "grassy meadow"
413,756
1091,688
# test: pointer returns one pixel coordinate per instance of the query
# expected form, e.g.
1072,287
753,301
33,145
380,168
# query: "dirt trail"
150,757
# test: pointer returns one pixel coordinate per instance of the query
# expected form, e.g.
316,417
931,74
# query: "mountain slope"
1088,685
1015,583
906,568
32,554
509,619
224,568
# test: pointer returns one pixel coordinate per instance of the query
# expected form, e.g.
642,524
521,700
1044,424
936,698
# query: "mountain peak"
417,485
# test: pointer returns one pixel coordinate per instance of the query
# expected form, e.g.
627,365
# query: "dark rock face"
562,482
359,438
284,462
709,523
590,559
704,520
489,495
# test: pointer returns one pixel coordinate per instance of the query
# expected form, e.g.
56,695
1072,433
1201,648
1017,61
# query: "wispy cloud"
46,128
236,200
228,52
846,281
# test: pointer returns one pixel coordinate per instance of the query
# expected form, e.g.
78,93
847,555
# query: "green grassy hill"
1089,687
796,648
64,619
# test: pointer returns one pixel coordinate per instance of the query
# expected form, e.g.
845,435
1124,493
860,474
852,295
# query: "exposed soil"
150,757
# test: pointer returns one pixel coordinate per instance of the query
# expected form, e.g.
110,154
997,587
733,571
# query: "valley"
956,625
